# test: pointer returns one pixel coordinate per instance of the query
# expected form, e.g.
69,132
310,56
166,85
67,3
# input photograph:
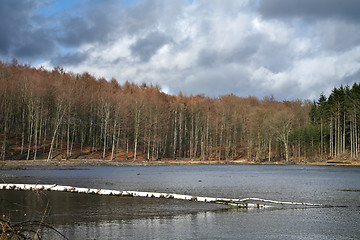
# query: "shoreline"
13,164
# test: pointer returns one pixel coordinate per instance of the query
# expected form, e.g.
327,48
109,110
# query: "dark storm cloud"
208,57
12,13
95,23
240,52
339,36
245,49
20,36
214,82
315,9
147,14
355,77
289,48
27,33
146,47
34,43
275,57
142,16
77,31
70,59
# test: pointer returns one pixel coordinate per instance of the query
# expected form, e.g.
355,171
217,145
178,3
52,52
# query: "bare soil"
100,162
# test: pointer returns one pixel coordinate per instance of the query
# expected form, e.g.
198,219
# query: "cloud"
21,35
146,47
70,59
237,52
208,51
310,9
331,25
352,78
91,23
289,49
338,35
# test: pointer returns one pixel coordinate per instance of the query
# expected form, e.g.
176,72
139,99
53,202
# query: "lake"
84,216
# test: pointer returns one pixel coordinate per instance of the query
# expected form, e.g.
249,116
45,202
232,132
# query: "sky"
288,49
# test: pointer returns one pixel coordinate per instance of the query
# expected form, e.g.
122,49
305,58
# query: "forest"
62,115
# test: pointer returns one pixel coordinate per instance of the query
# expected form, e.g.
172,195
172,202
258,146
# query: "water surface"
81,216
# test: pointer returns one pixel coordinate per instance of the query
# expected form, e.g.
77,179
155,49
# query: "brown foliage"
78,115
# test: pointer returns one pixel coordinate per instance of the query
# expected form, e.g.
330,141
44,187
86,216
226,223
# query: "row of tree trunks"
54,109
337,118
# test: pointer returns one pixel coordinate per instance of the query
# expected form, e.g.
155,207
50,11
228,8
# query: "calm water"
81,216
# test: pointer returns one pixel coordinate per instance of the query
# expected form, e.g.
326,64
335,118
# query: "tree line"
337,118
63,115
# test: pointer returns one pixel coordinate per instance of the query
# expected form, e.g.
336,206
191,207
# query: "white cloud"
217,47
276,31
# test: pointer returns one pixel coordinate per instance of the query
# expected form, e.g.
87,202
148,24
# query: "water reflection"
82,216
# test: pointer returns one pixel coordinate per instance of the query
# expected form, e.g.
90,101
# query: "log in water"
241,203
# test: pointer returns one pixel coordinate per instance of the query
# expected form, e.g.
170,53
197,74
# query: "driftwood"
241,203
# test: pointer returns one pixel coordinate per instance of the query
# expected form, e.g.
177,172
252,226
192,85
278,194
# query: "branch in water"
241,203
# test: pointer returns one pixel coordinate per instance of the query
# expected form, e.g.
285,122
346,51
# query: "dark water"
81,216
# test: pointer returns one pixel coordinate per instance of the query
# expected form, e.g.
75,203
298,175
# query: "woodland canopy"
59,115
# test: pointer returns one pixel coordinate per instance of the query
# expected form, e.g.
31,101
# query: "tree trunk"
192,137
196,138
351,138
23,131
82,138
338,135
44,141
344,134
250,146
107,116
356,138
180,132
31,123
269,156
221,138
175,134
137,126
207,137
331,150
40,126
59,116
321,137
72,139
3,149
113,141
286,151
68,139
36,131
127,148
